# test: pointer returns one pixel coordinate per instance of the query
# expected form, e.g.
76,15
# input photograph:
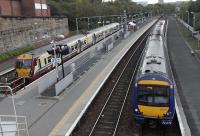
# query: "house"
29,8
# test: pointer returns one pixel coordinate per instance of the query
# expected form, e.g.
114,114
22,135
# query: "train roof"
75,38
103,28
40,51
72,39
154,60
159,28
31,56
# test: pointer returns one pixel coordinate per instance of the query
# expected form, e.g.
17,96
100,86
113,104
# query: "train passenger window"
72,48
45,61
85,41
75,46
49,59
39,63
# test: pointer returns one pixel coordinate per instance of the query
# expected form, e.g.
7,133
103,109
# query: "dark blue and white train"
153,94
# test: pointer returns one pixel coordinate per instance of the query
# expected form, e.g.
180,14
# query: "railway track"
8,78
108,119
8,75
108,105
111,111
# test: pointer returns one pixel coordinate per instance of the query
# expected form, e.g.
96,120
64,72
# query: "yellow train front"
153,94
32,67
24,65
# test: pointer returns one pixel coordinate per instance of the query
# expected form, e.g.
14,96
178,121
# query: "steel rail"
93,128
128,90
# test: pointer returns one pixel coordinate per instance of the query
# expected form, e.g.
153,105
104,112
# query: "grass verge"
13,53
187,35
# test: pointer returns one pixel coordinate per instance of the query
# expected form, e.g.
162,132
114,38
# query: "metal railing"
13,125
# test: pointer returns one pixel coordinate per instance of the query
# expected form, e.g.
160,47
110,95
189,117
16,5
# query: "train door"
94,39
79,44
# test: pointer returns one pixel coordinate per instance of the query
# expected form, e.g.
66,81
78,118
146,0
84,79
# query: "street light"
77,25
88,23
193,20
55,58
188,18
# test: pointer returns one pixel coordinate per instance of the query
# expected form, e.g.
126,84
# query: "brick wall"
27,7
24,8
16,8
18,32
5,7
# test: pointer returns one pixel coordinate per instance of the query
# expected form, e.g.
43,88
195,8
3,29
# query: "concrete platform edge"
69,131
184,127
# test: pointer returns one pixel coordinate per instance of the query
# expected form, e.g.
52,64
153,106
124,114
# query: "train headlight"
168,113
136,110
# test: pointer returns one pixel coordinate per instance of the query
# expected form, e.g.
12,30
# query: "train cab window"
153,95
23,63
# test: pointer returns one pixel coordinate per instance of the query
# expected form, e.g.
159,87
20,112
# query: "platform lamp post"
77,25
88,23
182,16
198,39
193,20
99,22
55,58
63,51
188,18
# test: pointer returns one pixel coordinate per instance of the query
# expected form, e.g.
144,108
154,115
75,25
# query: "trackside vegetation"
13,53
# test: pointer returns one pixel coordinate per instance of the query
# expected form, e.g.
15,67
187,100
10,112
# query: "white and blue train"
153,94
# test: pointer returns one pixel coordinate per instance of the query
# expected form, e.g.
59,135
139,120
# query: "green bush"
13,53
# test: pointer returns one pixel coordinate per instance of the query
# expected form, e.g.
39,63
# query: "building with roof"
32,8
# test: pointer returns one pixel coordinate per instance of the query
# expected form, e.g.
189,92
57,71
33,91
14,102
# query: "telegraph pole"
124,21
77,25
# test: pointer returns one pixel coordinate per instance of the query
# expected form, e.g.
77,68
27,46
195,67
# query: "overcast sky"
155,1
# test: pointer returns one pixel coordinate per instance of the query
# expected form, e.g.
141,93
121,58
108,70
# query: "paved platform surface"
101,72
187,76
44,113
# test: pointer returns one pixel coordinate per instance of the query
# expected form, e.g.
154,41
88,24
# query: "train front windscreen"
23,67
153,95
26,63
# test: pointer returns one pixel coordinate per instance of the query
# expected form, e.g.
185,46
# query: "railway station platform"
73,115
59,115
187,76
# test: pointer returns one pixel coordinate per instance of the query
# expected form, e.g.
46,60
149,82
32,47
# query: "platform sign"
57,60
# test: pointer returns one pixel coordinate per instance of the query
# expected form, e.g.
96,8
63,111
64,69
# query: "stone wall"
18,32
